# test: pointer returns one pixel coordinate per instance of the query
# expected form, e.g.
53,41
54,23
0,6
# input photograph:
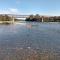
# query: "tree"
37,17
5,18
30,18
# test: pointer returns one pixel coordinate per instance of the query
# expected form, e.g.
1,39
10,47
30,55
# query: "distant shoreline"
18,22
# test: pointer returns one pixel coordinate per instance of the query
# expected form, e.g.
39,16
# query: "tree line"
38,18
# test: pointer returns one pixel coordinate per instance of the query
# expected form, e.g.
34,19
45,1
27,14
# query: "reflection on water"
30,41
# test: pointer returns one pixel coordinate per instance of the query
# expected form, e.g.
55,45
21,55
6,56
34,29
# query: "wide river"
32,37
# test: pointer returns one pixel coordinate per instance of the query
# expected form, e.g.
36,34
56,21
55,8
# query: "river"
30,37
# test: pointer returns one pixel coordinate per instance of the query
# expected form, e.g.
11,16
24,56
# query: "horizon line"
26,14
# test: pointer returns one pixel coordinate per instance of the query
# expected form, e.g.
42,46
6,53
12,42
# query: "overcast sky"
42,7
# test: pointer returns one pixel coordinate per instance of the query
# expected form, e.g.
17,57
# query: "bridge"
19,17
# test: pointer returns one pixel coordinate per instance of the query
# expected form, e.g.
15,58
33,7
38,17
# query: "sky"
27,7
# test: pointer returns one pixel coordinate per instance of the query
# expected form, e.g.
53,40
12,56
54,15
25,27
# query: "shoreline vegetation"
6,19
39,18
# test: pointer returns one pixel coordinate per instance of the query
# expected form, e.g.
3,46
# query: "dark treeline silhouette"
38,18
34,18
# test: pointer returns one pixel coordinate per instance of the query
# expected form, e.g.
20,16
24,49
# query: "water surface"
36,36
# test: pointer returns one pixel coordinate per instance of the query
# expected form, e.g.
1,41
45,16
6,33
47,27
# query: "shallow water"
34,37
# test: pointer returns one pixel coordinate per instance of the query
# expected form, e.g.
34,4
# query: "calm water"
41,37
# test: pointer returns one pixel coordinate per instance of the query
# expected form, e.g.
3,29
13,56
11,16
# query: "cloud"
17,11
12,10
9,11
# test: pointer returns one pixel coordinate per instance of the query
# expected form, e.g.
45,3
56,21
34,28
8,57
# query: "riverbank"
19,22
6,22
